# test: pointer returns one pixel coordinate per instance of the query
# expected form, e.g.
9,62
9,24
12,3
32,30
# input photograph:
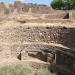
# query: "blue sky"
47,2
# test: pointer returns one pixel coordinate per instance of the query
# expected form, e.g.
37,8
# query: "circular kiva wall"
21,38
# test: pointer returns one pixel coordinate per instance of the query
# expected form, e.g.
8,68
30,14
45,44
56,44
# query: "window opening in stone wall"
66,16
19,56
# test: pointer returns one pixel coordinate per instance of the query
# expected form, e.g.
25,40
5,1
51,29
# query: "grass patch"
23,70
6,70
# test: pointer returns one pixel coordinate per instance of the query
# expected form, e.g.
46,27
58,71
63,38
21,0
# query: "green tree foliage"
63,4
56,4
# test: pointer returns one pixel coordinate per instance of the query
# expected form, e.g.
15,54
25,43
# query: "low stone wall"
55,15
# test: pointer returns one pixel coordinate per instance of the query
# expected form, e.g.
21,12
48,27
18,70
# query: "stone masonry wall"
13,40
21,8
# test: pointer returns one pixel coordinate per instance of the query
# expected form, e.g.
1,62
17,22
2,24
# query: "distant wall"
21,8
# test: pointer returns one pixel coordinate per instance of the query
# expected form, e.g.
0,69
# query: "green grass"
43,71
6,70
23,70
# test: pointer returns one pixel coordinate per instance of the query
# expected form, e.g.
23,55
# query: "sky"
47,2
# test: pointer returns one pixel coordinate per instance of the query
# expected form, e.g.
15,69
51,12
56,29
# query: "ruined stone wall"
72,14
55,15
13,40
36,8
22,8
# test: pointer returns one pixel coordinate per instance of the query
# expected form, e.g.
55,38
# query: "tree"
63,4
56,4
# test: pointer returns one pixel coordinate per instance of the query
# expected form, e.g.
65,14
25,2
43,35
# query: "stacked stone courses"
28,32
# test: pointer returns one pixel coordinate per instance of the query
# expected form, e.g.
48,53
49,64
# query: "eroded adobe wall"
15,39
